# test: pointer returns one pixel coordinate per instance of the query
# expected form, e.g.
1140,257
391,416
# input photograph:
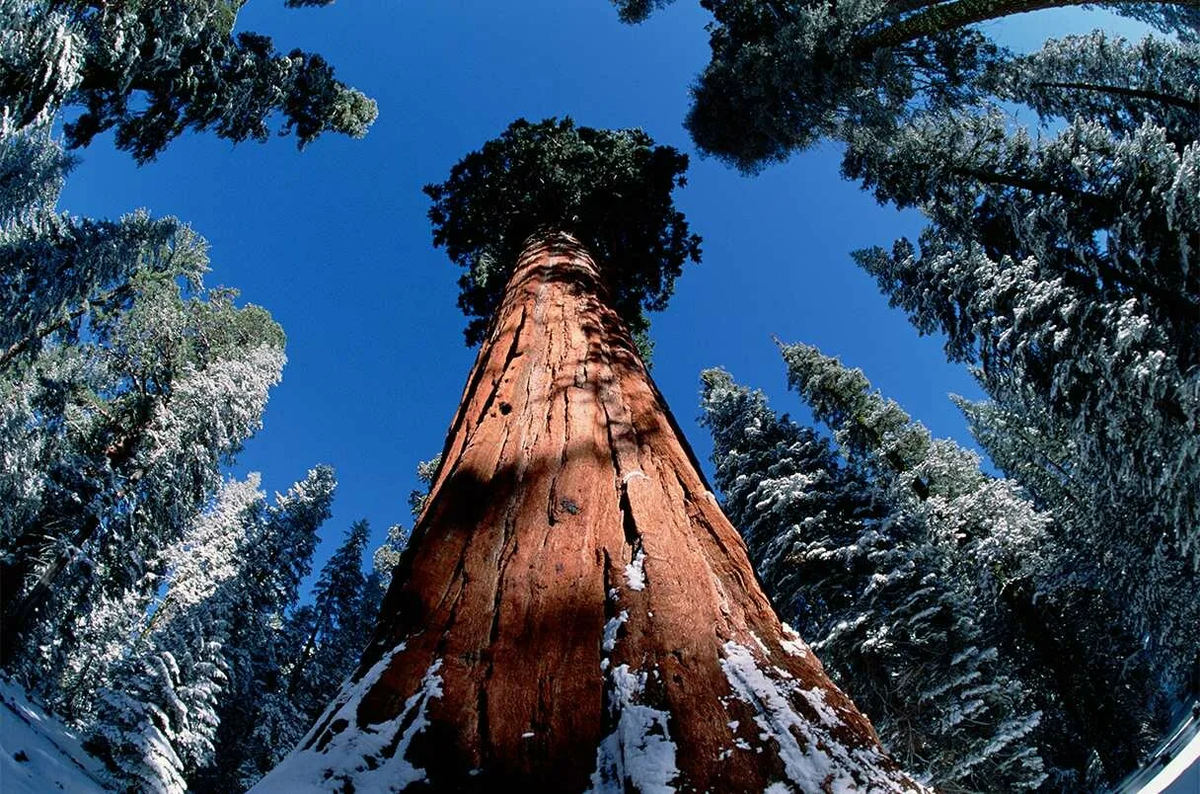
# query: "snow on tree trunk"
574,611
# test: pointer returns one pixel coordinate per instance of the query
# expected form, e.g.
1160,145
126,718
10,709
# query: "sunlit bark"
574,610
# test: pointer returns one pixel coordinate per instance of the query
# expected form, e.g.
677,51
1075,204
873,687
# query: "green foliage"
882,581
638,10
610,189
153,69
1065,269
786,73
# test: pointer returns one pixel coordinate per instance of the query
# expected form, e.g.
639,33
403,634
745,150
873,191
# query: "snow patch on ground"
813,761
635,572
51,758
639,753
359,756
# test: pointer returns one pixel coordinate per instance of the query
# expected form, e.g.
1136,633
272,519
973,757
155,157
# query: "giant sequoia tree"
573,607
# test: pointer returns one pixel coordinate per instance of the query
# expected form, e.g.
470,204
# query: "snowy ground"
1176,768
39,755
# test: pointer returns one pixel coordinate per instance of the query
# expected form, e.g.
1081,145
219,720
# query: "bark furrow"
574,612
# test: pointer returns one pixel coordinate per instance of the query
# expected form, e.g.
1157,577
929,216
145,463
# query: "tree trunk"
942,17
573,609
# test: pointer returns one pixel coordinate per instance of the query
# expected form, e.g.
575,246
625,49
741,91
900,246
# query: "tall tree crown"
610,188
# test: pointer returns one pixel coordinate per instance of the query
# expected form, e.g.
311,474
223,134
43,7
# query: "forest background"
334,241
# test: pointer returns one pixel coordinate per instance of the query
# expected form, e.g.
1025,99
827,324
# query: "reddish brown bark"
574,610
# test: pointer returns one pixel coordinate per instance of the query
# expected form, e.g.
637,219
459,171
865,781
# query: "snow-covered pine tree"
337,626
786,73
872,581
153,70
156,720
1066,270
118,430
257,720
55,268
990,527
1109,707
134,421
145,411
385,558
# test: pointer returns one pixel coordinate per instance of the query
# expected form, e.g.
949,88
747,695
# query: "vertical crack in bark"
529,434
473,381
514,350
552,505
633,536
543,626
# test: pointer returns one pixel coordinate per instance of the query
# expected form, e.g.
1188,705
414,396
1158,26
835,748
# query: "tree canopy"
786,73
612,189
151,70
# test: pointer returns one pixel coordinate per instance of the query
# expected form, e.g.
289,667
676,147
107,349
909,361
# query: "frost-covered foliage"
152,70
609,188
1048,604
1067,271
192,662
992,528
1110,80
1074,625
874,579
42,52
786,73
54,267
127,386
426,471
385,558
258,721
156,718
123,435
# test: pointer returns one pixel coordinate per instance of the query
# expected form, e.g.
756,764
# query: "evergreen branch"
20,346
1133,93
960,13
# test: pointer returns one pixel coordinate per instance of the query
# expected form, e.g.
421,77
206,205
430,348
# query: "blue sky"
334,240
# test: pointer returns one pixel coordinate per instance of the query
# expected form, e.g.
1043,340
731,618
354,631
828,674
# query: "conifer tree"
342,616
1100,673
1065,270
873,584
129,427
157,718
152,70
573,608
256,717
786,73
1032,575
